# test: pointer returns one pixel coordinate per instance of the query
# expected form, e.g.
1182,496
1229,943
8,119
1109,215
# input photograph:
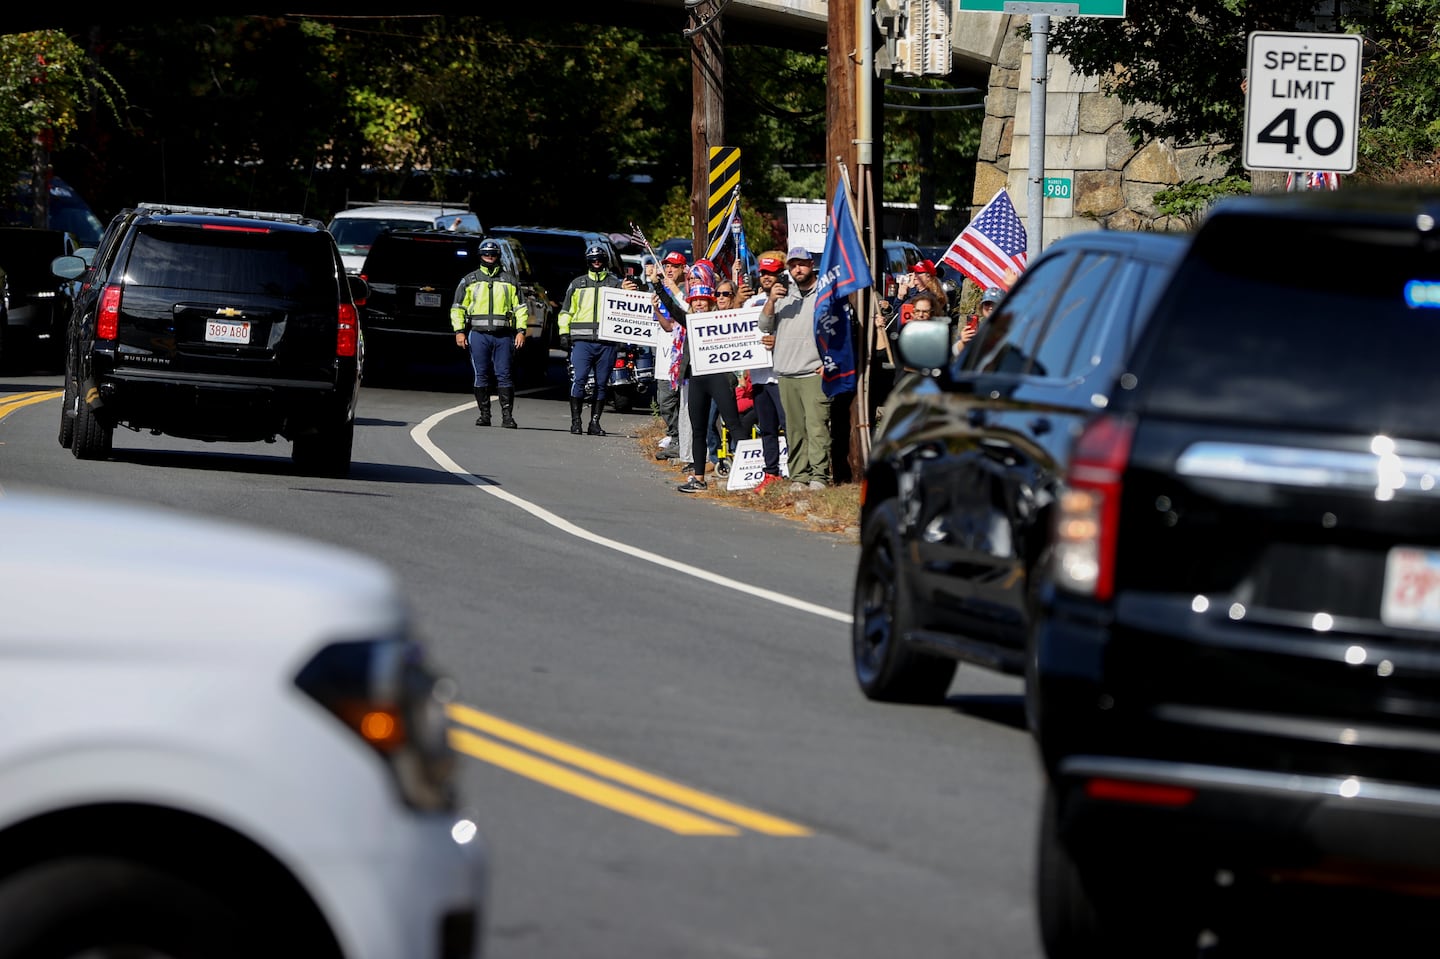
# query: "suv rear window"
408,260
1313,330
296,266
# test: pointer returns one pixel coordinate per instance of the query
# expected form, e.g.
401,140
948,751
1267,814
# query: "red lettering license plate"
1412,588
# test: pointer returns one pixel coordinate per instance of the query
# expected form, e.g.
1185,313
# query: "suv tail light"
1088,515
107,323
348,325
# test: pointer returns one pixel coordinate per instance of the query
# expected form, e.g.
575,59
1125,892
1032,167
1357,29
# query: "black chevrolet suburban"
214,324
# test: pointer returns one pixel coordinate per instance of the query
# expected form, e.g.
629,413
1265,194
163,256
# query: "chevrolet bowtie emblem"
228,311
427,289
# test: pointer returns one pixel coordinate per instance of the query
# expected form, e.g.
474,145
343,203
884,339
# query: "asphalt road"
664,746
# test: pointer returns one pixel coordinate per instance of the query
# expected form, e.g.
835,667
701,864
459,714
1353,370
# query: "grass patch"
835,509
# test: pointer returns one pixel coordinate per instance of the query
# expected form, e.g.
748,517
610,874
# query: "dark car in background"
32,334
1236,690
413,275
557,255
214,324
966,465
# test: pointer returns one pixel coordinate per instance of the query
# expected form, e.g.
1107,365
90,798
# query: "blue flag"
843,271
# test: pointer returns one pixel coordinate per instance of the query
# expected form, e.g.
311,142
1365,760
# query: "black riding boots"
507,408
577,407
482,400
595,429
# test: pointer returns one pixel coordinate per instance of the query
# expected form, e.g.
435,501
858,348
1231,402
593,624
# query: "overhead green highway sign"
1082,8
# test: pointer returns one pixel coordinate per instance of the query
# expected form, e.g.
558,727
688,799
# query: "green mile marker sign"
1057,187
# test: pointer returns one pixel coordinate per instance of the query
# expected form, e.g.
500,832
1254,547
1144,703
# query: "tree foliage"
47,84
1180,67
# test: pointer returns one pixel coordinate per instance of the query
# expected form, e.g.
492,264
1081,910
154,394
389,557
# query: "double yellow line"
14,401
677,808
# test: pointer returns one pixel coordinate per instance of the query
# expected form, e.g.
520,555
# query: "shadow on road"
1007,709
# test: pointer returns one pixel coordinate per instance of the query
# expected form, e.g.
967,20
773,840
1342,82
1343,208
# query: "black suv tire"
886,669
325,452
93,439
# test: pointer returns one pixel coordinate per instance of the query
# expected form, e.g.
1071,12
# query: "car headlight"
383,691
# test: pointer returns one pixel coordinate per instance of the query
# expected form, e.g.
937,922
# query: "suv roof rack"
443,204
173,208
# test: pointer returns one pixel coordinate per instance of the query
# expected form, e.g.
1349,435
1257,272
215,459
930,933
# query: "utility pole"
707,111
850,421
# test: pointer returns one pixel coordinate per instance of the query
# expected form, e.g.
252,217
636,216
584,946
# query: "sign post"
1040,13
1302,102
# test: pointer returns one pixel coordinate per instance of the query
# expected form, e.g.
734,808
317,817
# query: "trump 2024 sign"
1302,102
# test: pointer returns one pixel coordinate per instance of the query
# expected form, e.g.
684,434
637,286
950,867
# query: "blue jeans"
491,349
587,356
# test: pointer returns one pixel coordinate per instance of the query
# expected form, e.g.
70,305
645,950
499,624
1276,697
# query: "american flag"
993,243
1314,180
637,236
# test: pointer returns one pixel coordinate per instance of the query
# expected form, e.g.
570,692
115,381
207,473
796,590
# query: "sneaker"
796,487
816,484
768,480
692,485
667,454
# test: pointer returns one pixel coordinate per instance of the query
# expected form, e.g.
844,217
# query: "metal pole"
1035,196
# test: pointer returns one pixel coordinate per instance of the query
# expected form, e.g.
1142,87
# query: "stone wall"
1113,184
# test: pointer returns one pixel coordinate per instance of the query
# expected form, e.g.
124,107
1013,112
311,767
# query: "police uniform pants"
592,356
489,350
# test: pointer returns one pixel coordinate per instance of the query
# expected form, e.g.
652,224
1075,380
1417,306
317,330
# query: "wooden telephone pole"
707,112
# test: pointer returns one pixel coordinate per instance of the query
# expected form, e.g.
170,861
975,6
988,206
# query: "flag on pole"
993,243
843,271
742,248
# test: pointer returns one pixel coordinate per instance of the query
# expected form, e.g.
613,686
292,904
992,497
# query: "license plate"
227,331
1412,588
427,299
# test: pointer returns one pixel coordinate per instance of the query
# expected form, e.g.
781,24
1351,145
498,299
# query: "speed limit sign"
1302,101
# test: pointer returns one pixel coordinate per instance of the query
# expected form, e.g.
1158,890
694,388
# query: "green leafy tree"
1399,111
47,84
1181,66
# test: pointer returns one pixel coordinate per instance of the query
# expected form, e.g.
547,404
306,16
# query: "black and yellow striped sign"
724,188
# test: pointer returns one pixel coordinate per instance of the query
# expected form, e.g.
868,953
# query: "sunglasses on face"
724,292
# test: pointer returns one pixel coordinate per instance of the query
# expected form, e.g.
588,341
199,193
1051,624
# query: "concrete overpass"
975,38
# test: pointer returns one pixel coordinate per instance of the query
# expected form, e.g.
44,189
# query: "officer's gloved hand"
565,342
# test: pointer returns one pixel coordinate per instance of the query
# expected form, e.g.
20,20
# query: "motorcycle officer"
489,317
580,336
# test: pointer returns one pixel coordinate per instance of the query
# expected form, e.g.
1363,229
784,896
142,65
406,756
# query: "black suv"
1236,693
413,275
558,255
214,324
965,464
33,333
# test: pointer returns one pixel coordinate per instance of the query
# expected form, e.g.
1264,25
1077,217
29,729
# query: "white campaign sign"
1302,102
725,341
808,224
628,316
749,467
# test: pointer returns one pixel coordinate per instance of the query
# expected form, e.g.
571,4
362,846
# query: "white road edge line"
421,435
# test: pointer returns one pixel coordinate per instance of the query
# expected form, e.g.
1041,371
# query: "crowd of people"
781,395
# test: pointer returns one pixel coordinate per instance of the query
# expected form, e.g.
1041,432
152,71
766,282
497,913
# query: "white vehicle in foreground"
218,742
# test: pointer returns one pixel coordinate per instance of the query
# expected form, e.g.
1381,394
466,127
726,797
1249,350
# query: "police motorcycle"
632,379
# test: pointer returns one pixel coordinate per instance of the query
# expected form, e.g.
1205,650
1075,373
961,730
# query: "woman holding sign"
702,388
